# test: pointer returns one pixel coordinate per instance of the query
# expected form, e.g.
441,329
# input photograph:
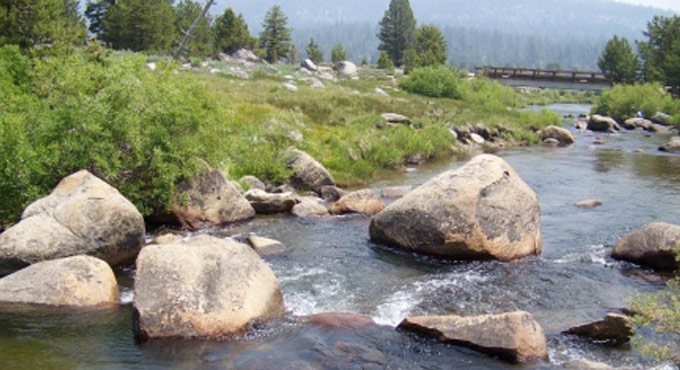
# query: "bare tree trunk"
187,34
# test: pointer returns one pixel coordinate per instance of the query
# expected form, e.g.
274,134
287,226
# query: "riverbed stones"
396,192
365,202
78,281
269,203
253,182
673,146
637,122
514,336
654,245
331,193
480,211
614,329
563,136
308,173
603,124
265,246
552,143
589,203
204,287
82,215
310,207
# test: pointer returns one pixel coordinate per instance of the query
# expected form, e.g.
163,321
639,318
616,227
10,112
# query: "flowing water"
333,267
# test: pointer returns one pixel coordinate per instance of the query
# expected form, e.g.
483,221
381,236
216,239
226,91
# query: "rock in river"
563,136
590,203
514,336
82,215
482,210
365,202
613,329
673,146
603,124
308,174
653,245
205,287
265,246
79,281
267,203
310,207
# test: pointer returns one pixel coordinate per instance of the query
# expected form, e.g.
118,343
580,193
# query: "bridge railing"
543,74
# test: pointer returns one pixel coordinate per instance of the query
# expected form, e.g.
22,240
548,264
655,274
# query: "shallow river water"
333,267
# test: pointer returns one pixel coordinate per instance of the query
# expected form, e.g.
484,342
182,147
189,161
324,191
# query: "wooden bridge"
546,78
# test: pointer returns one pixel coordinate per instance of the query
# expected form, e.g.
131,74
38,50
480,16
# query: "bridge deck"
549,78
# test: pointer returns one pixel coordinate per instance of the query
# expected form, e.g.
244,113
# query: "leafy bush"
140,130
625,101
436,82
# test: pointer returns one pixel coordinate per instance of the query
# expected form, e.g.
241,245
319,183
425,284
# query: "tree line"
657,58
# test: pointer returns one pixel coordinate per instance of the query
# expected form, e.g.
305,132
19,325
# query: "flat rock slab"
514,337
590,203
613,329
202,288
341,320
266,246
79,281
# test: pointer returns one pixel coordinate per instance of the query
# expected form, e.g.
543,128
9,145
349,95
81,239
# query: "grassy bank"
145,130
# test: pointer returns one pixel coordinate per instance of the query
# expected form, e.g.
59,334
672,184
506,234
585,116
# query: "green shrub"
140,130
436,82
625,101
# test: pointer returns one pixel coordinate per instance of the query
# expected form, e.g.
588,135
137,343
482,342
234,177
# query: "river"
333,267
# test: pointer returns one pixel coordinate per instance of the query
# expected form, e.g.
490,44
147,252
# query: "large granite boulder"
603,124
365,202
308,174
310,207
82,215
637,122
210,200
613,329
309,65
253,182
661,118
654,245
514,336
78,281
204,287
673,146
268,203
563,136
480,211
347,69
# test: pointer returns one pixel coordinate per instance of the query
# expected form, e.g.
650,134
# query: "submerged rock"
310,207
613,329
673,146
308,174
653,245
82,215
550,142
590,203
338,320
482,210
210,200
365,202
603,124
79,281
204,287
267,203
514,337
563,136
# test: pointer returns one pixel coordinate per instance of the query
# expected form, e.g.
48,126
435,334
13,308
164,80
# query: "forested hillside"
519,32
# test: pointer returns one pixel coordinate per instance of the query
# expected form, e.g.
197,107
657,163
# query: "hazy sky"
664,4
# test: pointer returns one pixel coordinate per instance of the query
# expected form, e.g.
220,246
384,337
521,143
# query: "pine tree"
202,38
140,25
42,25
95,12
338,54
275,36
231,33
313,52
430,46
661,51
397,30
618,62
384,62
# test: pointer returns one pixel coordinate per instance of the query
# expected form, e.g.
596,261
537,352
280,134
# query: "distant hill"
511,32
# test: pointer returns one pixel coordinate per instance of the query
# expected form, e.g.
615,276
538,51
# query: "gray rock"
210,200
82,215
613,329
603,124
347,69
331,193
673,146
515,337
268,203
590,203
253,182
550,142
266,246
633,123
380,92
482,210
79,281
245,54
365,202
309,65
310,207
395,119
563,136
290,86
313,82
661,118
477,139
653,245
396,192
202,288
585,365
308,174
